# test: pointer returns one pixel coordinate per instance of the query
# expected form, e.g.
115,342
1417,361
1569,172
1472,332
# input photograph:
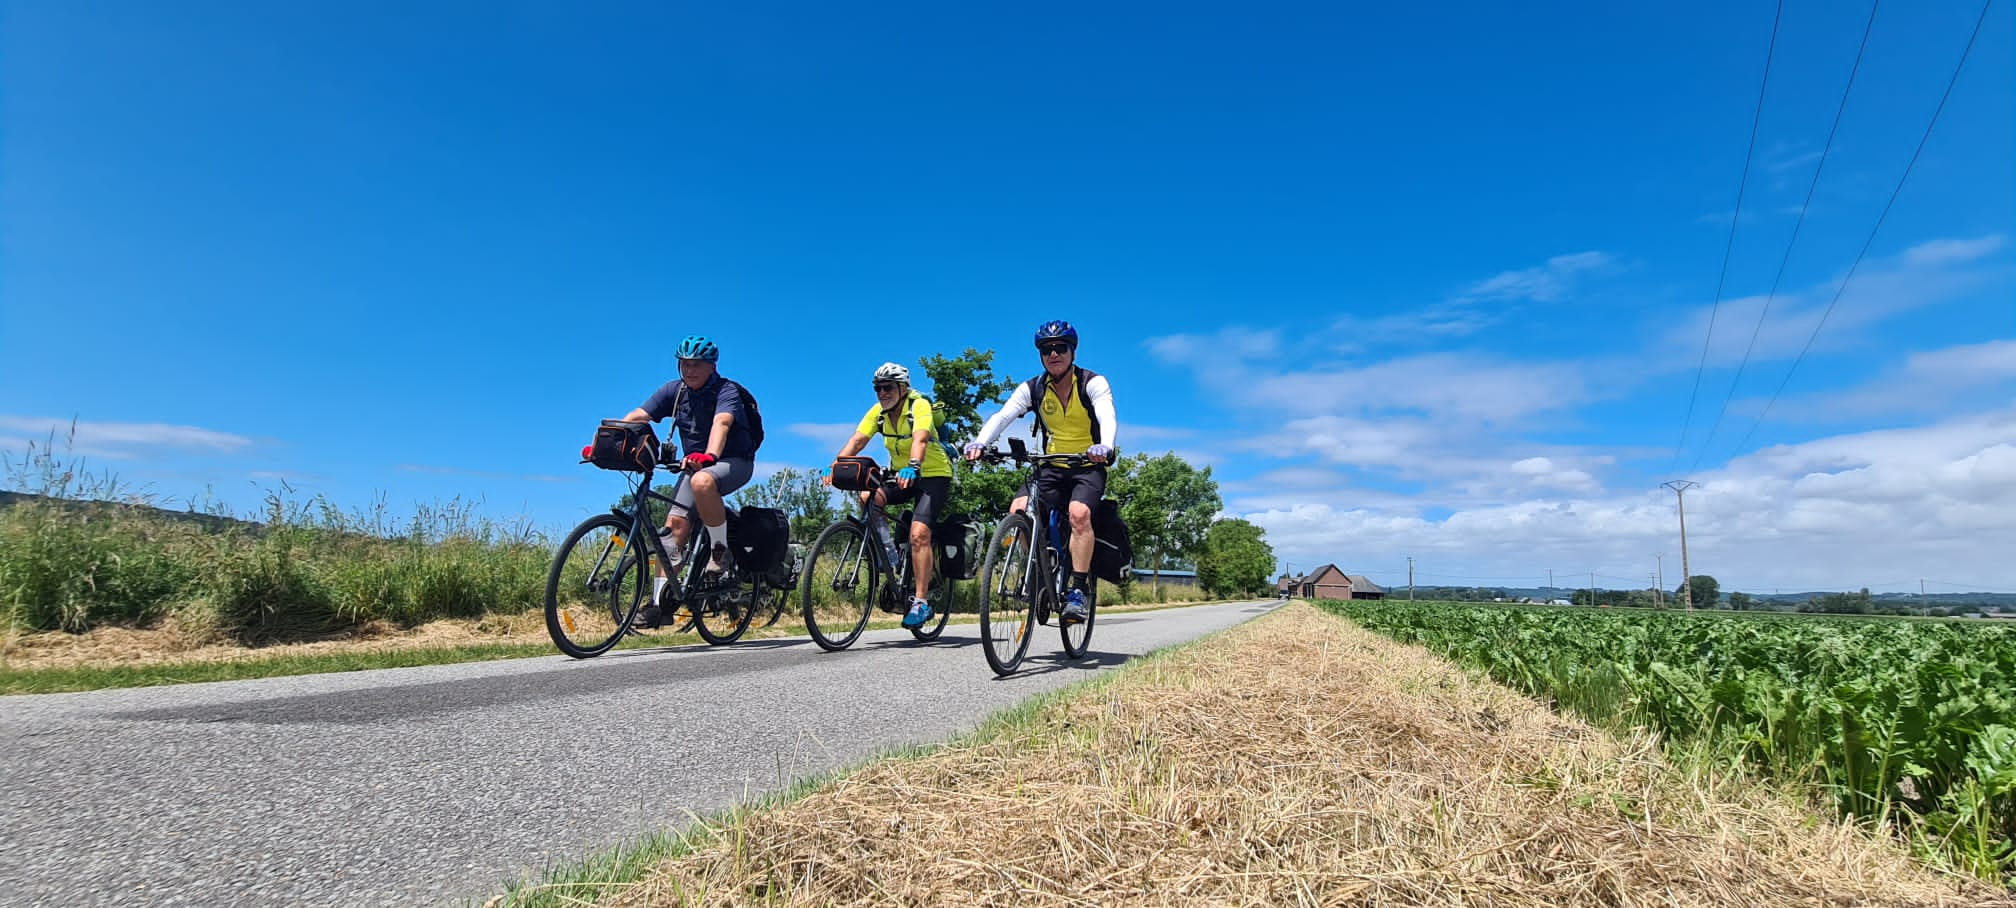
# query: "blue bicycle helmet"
697,346
1055,331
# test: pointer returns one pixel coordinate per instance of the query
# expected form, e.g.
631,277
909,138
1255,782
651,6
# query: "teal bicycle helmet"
697,346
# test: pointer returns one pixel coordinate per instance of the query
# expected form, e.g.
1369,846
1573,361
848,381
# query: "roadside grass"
1296,759
119,657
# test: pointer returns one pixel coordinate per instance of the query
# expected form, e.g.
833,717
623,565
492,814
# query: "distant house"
1187,579
1287,586
1327,582
1363,588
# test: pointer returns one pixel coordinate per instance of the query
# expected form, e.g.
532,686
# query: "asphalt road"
433,785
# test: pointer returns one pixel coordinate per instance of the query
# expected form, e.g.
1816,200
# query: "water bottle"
887,539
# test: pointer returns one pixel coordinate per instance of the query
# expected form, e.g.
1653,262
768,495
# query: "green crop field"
1911,723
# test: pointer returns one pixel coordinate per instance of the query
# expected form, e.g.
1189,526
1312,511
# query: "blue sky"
1427,282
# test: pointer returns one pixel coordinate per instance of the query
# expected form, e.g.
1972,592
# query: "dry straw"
1297,760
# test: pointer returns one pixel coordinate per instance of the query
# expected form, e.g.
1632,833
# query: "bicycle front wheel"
839,586
1007,608
941,609
596,585
1079,636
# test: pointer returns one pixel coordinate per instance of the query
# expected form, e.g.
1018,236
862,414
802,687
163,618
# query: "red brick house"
1328,582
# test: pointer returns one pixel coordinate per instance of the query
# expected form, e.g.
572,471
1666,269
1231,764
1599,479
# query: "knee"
1081,517
1020,503
703,482
920,534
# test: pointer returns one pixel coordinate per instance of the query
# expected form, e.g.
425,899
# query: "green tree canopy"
1236,559
1706,591
1167,506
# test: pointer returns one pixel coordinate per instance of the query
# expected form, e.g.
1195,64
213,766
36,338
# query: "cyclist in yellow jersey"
903,420
1074,415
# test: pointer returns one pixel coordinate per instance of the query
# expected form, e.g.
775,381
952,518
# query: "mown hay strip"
1297,760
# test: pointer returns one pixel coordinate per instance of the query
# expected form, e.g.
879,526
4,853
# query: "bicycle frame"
897,576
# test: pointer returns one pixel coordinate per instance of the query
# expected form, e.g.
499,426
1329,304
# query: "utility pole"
1550,583
1592,589
1656,603
1680,487
1410,578
1660,584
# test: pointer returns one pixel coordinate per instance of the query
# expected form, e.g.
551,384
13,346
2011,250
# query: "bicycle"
847,576
1023,579
601,577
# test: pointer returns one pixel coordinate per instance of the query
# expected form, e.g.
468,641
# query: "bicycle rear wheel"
1079,636
725,618
1007,608
597,583
839,586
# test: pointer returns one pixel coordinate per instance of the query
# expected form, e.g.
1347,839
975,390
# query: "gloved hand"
1100,453
907,473
973,451
699,460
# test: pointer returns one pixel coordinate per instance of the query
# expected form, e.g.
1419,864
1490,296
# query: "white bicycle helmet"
892,372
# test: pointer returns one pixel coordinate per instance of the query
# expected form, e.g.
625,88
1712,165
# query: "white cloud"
1926,382
1834,513
1925,275
830,433
121,440
1947,252
1544,283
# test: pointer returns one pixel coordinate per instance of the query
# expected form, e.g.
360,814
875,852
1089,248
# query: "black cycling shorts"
930,493
1059,485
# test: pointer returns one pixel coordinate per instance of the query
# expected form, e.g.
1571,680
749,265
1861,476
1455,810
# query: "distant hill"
210,522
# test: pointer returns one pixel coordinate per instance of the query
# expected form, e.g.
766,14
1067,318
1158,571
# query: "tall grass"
80,550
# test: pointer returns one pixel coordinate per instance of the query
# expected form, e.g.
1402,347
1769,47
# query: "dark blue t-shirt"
693,412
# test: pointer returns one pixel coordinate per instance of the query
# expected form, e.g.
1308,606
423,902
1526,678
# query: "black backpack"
755,426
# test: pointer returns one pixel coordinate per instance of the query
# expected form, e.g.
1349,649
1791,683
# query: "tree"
960,386
1236,559
801,494
1741,602
1168,506
1706,591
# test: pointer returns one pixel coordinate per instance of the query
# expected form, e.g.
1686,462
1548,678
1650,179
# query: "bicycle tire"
941,609
1083,629
837,590
1004,641
588,606
726,619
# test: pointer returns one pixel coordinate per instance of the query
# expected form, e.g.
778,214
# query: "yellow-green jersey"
913,415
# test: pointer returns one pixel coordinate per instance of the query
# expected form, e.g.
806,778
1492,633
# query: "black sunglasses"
1053,349
886,386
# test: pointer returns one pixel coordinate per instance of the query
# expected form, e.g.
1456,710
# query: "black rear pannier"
761,537
856,474
628,446
958,541
1112,553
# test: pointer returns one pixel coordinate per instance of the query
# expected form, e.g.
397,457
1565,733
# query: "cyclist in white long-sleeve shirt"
1074,415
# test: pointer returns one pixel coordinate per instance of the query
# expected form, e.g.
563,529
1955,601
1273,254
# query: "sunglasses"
885,386
1053,349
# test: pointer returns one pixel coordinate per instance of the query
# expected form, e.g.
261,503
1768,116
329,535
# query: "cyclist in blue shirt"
713,427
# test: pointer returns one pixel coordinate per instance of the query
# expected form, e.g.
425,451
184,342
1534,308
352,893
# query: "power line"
1804,206
1729,247
1894,193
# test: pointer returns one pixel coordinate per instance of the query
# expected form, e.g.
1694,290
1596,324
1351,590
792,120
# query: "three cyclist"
903,419
1074,415
713,428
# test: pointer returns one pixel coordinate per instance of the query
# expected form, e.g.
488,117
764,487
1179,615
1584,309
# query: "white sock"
718,534
658,589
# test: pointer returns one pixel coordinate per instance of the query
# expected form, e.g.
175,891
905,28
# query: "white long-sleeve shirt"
1096,392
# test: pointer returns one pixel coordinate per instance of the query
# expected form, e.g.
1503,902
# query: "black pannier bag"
958,541
1112,553
761,537
631,447
856,474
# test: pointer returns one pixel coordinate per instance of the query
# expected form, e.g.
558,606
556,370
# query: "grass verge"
1296,759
